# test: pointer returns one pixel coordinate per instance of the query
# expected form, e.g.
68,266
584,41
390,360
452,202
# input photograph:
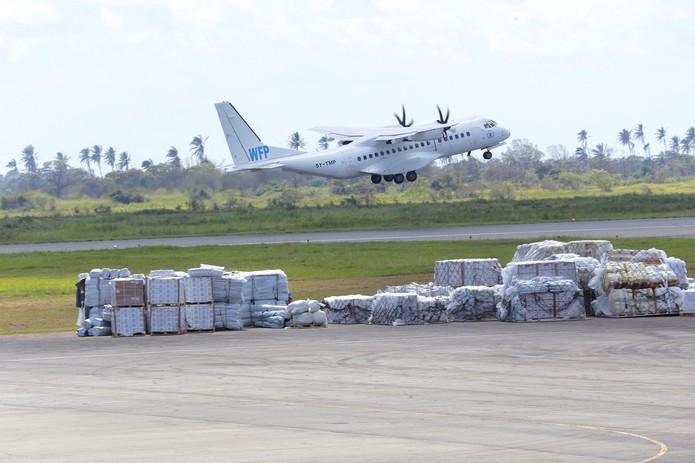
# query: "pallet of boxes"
94,301
165,302
633,283
128,310
476,287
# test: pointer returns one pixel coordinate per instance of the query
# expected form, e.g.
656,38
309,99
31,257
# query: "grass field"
171,223
37,289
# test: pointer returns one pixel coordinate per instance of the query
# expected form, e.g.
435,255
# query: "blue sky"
143,75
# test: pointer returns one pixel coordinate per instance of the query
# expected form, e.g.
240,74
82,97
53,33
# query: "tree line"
522,165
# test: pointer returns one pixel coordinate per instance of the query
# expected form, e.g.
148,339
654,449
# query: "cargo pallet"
312,325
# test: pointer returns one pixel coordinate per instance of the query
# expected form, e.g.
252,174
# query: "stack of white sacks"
637,283
265,294
306,313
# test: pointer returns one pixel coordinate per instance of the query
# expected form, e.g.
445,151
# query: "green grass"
37,289
169,223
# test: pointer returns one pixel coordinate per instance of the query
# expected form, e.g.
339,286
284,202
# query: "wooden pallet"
687,314
313,325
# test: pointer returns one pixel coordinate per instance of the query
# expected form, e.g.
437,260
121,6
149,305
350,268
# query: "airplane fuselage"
355,159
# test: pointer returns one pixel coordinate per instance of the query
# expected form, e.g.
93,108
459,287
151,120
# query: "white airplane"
391,153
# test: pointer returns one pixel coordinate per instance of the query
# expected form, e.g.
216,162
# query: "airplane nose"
505,133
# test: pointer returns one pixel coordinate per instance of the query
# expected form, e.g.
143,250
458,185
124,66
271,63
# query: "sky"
143,75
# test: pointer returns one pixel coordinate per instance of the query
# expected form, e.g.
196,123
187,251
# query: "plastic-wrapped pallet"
467,272
469,303
228,316
352,309
538,250
623,302
427,290
165,290
541,298
233,283
433,309
595,249
166,319
395,309
128,321
200,316
678,267
585,267
265,285
633,275
558,269
688,306
197,290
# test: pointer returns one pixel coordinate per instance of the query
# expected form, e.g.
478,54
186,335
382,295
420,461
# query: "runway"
676,227
597,390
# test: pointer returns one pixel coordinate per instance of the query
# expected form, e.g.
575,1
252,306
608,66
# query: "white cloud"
26,12
21,47
111,19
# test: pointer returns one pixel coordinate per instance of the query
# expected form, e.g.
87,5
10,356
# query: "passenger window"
382,153
428,143
468,134
411,146
399,150
370,156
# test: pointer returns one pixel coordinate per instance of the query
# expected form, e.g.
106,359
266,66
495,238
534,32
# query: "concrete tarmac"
597,390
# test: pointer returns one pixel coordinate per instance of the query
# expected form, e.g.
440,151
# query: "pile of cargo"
206,298
307,313
636,283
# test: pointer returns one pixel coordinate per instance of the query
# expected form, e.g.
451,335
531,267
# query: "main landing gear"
395,178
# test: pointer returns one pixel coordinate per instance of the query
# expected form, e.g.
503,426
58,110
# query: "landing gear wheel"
411,176
388,178
487,155
398,178
376,179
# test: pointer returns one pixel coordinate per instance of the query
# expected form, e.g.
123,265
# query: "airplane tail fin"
244,145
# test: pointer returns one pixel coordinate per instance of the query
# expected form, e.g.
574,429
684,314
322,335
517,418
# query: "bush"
126,198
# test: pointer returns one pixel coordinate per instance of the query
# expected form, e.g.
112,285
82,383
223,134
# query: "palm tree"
600,152
60,157
690,136
123,161
323,142
86,158
12,165
29,158
174,159
675,144
661,136
685,146
198,148
96,157
110,157
625,137
146,164
639,136
583,139
295,142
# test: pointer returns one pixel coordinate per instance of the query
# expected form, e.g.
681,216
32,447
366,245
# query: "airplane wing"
420,132
403,163
258,166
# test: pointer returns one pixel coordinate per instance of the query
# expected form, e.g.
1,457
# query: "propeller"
401,120
442,119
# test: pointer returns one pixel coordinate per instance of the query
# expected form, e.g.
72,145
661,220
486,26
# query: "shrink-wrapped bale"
426,290
633,275
467,272
307,313
205,270
265,285
351,309
471,303
229,288
128,321
433,309
197,290
679,269
166,319
228,316
165,291
200,316
542,298
538,250
395,309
